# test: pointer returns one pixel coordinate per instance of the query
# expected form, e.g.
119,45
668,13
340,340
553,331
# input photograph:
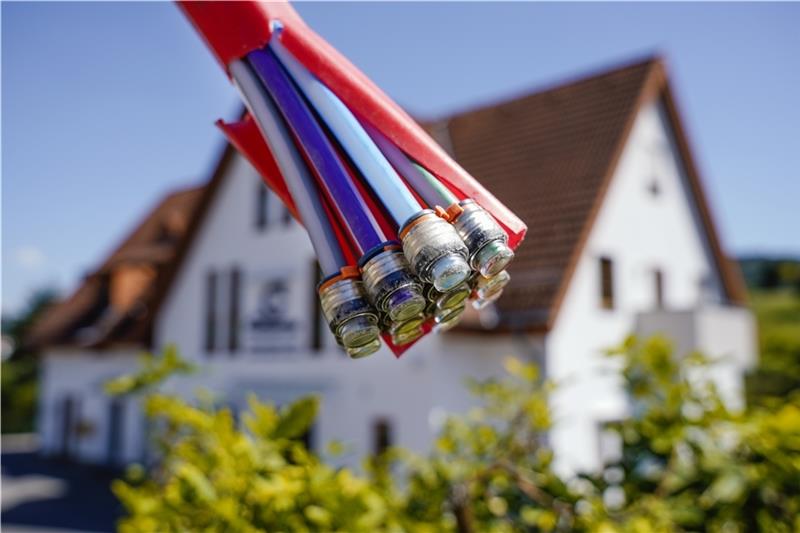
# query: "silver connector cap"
407,331
362,351
391,286
350,316
453,298
488,247
489,287
448,318
434,251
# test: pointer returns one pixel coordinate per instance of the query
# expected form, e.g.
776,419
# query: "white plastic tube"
299,181
377,171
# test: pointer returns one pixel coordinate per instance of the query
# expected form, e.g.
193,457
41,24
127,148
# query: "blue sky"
107,106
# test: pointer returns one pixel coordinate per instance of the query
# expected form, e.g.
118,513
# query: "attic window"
659,153
262,207
654,188
606,283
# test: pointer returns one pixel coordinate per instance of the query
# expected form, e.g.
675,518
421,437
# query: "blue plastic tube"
377,171
298,179
318,150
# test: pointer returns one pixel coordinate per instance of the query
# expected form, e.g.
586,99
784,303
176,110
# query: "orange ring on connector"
346,272
411,225
453,212
441,213
327,283
349,272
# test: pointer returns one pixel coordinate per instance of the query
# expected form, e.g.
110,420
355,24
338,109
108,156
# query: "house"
620,240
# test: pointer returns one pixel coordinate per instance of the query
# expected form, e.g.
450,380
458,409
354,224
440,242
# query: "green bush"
687,464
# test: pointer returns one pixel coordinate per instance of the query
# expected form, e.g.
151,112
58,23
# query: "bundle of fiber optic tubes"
404,237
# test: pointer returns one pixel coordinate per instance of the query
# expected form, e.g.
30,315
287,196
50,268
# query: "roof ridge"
651,60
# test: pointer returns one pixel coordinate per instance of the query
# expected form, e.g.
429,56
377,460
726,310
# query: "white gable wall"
640,232
79,376
228,237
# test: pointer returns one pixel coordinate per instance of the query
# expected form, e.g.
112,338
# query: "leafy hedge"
687,464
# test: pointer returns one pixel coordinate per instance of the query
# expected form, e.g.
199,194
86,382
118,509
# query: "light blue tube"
432,193
377,171
300,183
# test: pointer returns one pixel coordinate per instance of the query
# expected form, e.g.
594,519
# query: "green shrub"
687,464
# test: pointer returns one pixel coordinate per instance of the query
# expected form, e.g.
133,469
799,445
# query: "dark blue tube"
318,149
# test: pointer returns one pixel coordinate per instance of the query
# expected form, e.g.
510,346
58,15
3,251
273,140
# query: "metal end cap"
407,338
408,326
405,303
494,257
487,287
363,351
447,320
454,298
449,272
358,331
483,302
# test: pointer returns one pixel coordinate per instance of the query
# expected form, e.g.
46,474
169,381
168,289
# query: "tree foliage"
20,366
686,463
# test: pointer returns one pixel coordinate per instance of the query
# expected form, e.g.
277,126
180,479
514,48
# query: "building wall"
647,222
77,377
412,393
276,356
727,334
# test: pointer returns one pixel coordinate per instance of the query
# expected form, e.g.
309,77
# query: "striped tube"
300,183
366,156
318,150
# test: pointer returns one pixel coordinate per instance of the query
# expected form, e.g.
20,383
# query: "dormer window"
658,153
658,287
654,188
606,283
262,207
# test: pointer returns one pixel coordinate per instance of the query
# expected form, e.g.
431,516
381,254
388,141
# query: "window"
317,320
287,216
262,207
606,283
658,281
307,439
211,307
233,311
654,188
116,429
381,435
609,443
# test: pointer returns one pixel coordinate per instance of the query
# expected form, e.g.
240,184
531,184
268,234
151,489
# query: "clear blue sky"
107,106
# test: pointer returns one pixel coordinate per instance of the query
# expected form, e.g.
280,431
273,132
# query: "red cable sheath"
232,29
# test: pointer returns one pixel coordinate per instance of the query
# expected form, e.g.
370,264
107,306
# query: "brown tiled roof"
86,319
549,156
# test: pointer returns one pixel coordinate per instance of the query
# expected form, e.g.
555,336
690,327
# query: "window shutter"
234,302
262,207
658,279
211,305
381,435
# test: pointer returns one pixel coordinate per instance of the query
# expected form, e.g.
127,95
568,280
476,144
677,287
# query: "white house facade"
222,272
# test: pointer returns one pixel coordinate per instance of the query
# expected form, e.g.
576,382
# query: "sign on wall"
273,318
